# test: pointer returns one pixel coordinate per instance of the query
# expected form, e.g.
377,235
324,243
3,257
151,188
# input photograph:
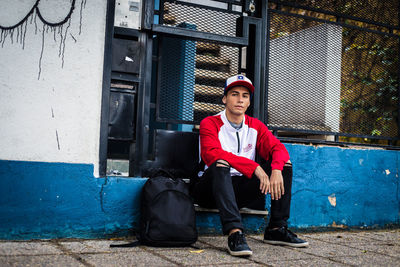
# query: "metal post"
267,20
254,30
252,62
105,99
263,64
138,157
398,77
143,106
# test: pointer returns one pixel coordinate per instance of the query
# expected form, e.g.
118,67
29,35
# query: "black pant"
217,189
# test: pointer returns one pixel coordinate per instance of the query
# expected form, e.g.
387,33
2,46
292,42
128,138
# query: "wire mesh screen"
329,78
192,78
373,10
192,74
369,96
206,20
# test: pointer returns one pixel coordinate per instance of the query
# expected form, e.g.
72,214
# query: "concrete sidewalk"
345,248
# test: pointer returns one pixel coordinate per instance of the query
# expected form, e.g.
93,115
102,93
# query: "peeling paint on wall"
338,225
332,200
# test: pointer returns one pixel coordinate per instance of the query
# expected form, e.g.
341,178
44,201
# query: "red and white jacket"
219,140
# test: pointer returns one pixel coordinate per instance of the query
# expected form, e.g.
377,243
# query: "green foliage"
369,98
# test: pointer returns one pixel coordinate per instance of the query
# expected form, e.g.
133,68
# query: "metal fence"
334,68
192,73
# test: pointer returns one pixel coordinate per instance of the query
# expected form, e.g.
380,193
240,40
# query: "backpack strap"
137,243
162,172
126,245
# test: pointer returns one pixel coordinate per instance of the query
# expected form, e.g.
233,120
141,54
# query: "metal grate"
369,95
192,74
192,79
378,11
206,20
329,78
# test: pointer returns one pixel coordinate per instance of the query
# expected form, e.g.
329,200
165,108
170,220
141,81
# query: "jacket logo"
248,148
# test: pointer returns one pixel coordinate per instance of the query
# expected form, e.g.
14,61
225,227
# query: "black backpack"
167,213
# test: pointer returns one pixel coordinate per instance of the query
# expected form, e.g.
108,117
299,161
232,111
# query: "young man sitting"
232,179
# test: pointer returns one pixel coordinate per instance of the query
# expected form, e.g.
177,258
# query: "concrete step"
211,78
208,94
208,90
213,60
208,49
208,62
242,210
207,107
202,110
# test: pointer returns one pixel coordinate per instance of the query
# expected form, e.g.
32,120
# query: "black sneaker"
237,245
283,236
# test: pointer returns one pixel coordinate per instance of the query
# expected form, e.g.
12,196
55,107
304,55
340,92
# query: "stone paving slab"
390,236
345,248
385,248
96,246
323,249
195,257
28,248
39,260
306,262
242,264
358,236
138,258
369,260
197,245
339,237
265,253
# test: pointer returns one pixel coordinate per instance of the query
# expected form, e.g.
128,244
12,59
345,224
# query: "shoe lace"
288,232
240,239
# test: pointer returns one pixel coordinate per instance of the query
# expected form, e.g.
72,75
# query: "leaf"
197,251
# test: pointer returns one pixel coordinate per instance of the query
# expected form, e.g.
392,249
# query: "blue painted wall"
49,200
364,182
54,200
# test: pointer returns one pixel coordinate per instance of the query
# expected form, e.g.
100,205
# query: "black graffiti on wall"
17,32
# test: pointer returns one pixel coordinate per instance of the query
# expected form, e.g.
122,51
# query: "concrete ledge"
332,187
242,211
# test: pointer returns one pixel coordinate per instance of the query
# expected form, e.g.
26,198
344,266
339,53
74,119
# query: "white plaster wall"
333,77
55,118
306,67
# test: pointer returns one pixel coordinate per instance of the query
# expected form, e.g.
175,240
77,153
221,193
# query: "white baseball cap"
238,80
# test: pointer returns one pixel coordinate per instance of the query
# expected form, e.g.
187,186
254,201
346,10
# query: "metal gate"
192,69
333,69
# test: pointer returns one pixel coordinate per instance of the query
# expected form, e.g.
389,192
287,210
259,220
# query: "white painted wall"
63,101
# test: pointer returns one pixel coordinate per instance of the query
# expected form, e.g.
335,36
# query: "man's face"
237,100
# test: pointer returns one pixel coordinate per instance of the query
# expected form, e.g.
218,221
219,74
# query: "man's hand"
264,180
277,188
